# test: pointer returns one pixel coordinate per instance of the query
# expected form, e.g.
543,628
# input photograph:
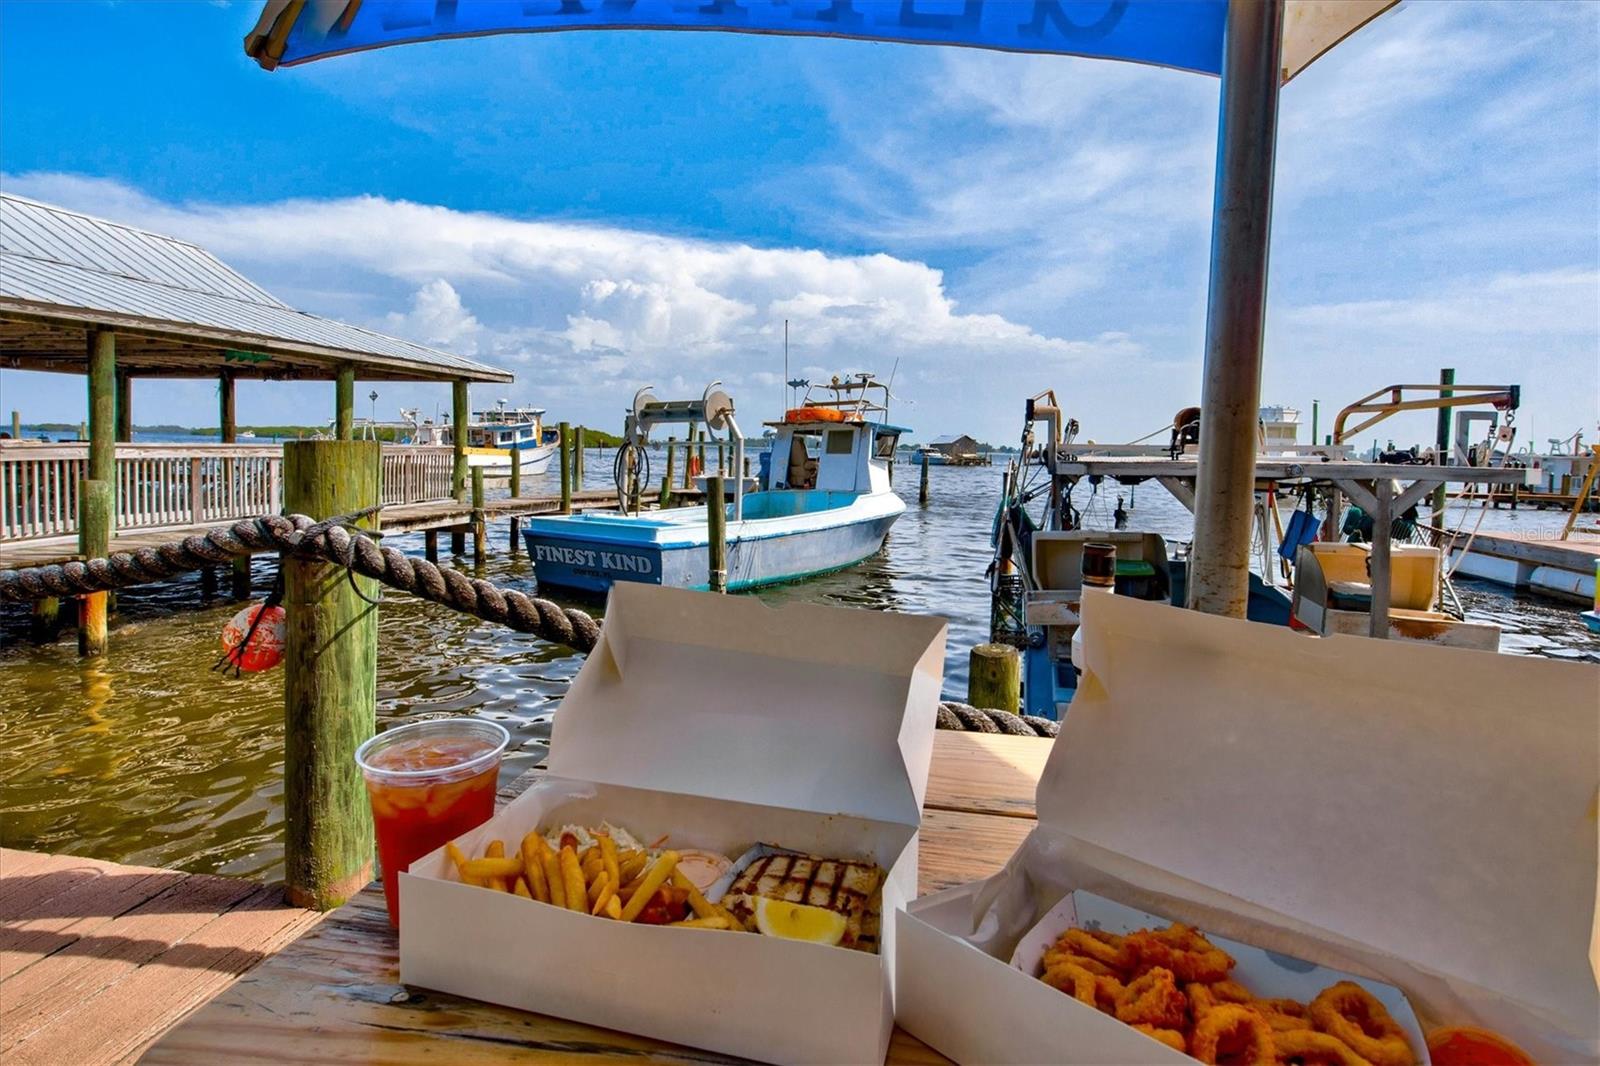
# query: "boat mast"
1219,567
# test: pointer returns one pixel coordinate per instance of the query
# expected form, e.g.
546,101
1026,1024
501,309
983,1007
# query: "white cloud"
586,313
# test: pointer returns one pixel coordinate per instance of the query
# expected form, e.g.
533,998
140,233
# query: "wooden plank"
112,952
62,920
985,773
124,1017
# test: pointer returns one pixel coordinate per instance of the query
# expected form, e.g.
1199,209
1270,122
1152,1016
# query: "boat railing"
165,485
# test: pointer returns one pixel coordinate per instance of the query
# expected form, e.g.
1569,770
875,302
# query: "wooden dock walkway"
98,960
398,518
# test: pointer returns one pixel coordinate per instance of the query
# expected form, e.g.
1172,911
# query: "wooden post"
344,403
227,412
208,584
96,496
1441,445
124,407
516,475
516,534
666,482
722,459
577,459
994,677
46,624
16,425
922,490
430,545
459,416
478,531
96,514
1379,560
688,457
566,468
717,528
330,683
458,540
241,578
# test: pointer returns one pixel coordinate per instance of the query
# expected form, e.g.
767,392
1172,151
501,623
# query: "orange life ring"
813,414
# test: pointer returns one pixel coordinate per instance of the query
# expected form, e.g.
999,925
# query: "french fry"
590,852
614,908
607,893
703,908
521,889
493,867
496,850
632,865
657,876
461,860
552,873
598,886
715,922
533,868
608,856
577,892
592,867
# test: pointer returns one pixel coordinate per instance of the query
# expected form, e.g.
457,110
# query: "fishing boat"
825,503
495,439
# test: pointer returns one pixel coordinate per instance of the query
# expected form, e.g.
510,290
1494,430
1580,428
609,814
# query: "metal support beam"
1219,567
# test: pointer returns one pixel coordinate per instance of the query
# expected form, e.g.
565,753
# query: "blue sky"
600,211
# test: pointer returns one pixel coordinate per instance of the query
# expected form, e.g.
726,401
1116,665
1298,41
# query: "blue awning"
1183,34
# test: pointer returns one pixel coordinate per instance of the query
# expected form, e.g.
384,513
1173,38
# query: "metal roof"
175,307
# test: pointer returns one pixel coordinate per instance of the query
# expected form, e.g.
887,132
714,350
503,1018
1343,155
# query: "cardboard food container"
721,723
1417,815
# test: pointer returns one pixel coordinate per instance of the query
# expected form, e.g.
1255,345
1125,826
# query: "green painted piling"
516,475
329,684
566,468
344,403
460,402
478,530
96,513
994,677
124,405
717,531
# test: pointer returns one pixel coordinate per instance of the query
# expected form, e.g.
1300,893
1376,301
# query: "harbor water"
149,756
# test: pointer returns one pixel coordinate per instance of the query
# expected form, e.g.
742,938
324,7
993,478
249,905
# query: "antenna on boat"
888,390
786,361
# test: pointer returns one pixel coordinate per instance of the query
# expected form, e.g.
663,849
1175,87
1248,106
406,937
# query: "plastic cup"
429,782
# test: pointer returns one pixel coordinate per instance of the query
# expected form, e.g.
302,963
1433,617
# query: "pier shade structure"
115,303
1253,45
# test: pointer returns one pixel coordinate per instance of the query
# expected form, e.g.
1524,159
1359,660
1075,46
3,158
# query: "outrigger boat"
495,439
826,502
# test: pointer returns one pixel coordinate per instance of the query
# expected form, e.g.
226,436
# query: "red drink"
429,782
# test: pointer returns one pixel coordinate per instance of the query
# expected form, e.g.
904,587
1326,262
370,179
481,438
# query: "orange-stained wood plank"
122,1018
985,773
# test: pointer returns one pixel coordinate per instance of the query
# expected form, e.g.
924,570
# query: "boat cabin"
833,456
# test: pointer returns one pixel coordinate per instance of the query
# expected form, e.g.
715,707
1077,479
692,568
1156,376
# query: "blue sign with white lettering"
1186,34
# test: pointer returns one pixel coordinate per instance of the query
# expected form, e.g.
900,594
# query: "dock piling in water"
577,458
478,530
566,468
922,491
717,531
994,677
330,683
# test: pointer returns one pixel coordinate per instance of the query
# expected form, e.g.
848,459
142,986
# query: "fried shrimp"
1306,1047
1170,1037
1352,1015
1233,1033
1183,950
1153,999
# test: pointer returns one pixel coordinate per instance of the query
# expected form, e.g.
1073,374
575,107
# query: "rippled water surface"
147,756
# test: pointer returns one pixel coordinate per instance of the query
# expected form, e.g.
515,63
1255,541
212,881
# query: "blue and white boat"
496,439
826,504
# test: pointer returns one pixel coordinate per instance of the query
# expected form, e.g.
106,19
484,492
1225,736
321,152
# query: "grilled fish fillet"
846,887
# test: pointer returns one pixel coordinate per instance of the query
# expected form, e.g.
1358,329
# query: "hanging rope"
334,541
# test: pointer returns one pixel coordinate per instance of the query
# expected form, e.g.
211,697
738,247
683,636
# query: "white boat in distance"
495,439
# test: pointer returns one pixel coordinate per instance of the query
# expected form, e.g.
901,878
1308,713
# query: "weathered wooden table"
335,994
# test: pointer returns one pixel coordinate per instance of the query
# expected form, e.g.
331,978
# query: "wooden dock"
98,960
399,518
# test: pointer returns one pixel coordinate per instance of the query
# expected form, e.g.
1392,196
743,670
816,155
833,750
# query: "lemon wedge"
796,921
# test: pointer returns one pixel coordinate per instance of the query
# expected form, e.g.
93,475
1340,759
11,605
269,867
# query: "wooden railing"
167,485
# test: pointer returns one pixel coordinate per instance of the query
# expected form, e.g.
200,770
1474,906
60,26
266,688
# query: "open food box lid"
822,709
1435,804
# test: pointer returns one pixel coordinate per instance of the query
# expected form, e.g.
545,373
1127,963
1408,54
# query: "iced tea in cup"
429,782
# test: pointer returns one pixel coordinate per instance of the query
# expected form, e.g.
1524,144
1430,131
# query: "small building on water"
958,450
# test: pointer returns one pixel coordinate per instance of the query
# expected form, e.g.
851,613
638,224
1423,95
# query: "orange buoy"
265,649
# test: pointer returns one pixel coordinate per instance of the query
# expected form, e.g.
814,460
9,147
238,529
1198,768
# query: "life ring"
813,414
265,649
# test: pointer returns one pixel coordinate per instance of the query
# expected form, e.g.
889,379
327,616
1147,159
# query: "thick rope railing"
332,541
335,541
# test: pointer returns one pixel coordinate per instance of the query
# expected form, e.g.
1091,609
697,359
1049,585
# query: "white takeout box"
724,723
1420,815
